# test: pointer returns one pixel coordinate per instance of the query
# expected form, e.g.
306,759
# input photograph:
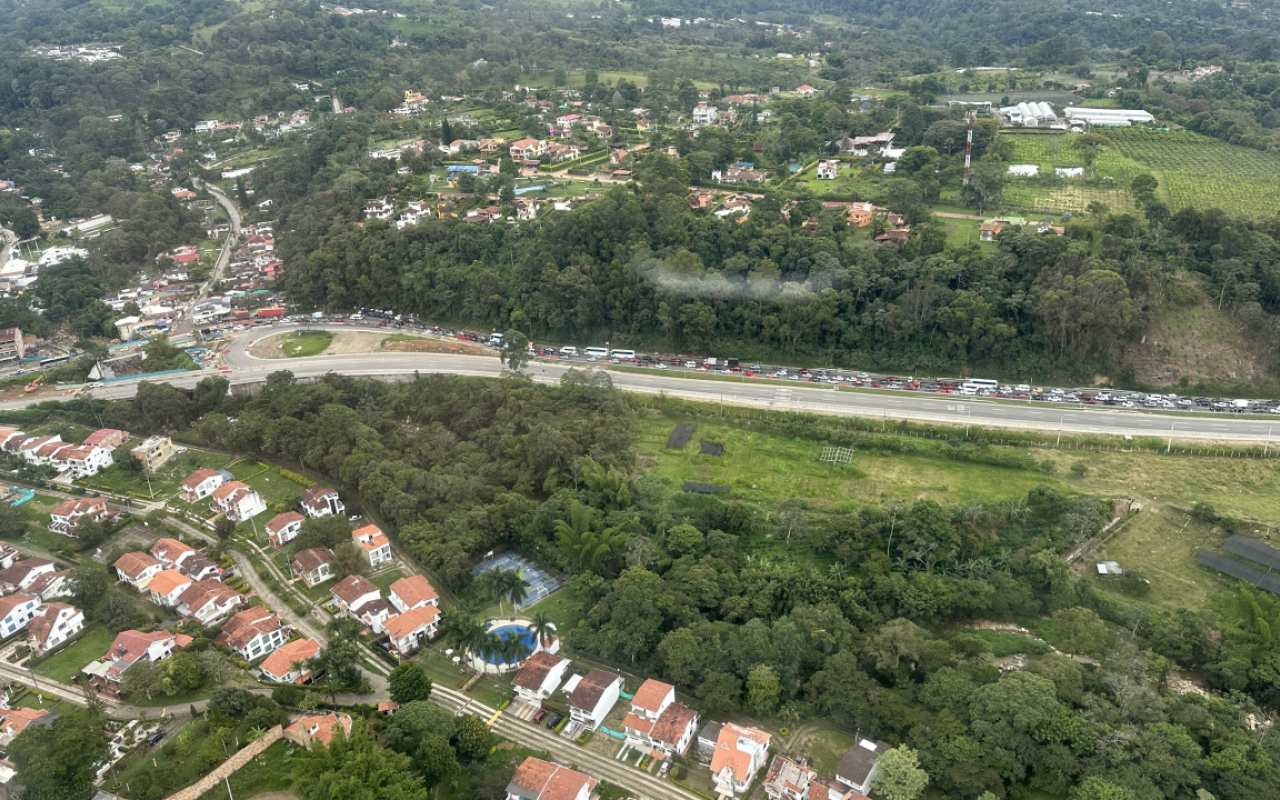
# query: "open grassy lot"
824,749
267,481
1162,544
166,481
268,775
65,665
310,343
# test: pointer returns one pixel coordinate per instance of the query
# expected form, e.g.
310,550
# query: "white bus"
623,354
981,385
596,352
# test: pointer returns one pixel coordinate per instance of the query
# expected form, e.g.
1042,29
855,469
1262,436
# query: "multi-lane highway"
240,366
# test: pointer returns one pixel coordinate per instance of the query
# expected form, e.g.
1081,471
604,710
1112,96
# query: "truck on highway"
270,312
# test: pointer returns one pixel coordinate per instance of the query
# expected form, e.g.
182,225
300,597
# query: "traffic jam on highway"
978,388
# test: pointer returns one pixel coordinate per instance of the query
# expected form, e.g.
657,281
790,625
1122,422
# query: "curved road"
242,367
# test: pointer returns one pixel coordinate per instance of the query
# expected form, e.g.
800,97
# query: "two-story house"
237,501
171,553
740,752
593,697
52,625
16,611
374,543
201,483
313,565
857,769
166,587
137,569
789,779
208,601
539,676
321,501
284,528
106,437
288,664
65,515
83,461
154,453
132,647
361,600
704,114
541,780
658,722
412,629
318,728
252,633
413,592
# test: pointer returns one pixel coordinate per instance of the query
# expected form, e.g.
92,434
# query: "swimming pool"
511,632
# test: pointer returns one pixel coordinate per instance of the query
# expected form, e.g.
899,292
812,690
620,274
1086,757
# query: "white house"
285,665
201,483
137,568
16,610
166,587
252,633
129,648
65,515
539,676
374,543
313,565
704,114
353,593
541,780
34,576
857,769
593,697
658,722
208,601
379,208
412,629
54,624
83,461
740,753
284,528
827,169
413,592
321,501
172,553
237,501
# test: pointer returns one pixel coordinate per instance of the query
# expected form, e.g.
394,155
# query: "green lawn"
385,578
825,748
268,482
310,343
65,665
1162,545
271,771
166,481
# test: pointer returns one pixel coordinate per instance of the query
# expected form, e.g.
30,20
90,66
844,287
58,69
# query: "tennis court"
541,583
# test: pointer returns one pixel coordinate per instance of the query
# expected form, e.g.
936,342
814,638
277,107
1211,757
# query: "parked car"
554,721
540,716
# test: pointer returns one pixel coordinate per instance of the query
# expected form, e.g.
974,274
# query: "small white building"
53,625
593,697
704,114
376,546
200,484
857,769
539,676
321,501
237,501
137,569
284,528
413,592
827,169
252,633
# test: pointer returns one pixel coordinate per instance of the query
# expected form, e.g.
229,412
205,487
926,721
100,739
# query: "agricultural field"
1114,170
856,180
1201,172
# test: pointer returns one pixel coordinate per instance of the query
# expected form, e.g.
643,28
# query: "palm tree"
490,648
587,547
514,649
543,628
461,631
514,588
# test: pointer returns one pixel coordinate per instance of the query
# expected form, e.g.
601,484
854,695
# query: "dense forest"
689,587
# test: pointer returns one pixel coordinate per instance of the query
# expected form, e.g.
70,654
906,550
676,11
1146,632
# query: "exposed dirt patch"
269,347
42,392
435,346
1195,342
274,796
349,342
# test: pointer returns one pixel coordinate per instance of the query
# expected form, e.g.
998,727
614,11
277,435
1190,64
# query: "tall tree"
409,683
898,776
354,769
59,762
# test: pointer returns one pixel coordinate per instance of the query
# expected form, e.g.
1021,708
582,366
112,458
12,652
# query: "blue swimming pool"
512,632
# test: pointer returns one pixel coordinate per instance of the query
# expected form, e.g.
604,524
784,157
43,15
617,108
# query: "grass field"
166,481
825,748
1204,173
310,343
268,482
269,775
1049,152
65,665
1163,545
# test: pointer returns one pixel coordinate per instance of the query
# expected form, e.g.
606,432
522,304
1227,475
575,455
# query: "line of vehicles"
983,388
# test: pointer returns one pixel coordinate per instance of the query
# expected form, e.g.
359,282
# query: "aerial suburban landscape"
635,400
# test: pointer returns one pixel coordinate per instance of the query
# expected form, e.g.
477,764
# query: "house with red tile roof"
83,461
208,601
137,568
412,629
413,592
14,721
200,484
132,647
106,437
361,600
541,780
789,779
284,528
319,728
740,753
237,500
171,553
374,543
53,625
313,565
285,665
539,676
321,501
167,586
252,633
657,722
65,515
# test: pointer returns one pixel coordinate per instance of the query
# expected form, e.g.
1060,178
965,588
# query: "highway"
242,367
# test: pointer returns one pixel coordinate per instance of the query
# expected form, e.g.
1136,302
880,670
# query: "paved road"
539,739
241,367
185,324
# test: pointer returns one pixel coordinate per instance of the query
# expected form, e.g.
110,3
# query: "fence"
228,767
